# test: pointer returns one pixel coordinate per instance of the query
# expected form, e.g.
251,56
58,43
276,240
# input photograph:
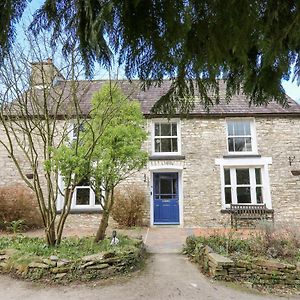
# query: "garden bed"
74,260
264,260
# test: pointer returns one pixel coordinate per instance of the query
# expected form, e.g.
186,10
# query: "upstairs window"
77,129
166,137
241,136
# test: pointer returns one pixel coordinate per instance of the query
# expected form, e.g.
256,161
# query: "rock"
207,250
220,260
109,255
3,265
62,262
53,258
57,270
98,267
271,264
38,265
89,263
93,257
49,262
60,275
243,264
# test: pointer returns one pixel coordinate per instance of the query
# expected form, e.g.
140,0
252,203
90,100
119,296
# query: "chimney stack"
44,74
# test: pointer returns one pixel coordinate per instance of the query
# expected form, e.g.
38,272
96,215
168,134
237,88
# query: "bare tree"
38,100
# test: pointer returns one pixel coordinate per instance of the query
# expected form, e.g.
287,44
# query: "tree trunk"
50,235
100,235
64,214
109,201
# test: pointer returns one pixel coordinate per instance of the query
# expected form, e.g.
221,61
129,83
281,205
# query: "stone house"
200,164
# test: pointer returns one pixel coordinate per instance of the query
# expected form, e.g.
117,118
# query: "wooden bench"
250,212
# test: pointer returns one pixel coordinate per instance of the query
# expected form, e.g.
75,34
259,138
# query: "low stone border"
254,270
96,266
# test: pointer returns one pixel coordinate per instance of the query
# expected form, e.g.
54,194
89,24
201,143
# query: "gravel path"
167,276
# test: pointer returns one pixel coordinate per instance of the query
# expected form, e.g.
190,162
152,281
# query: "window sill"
244,155
167,157
83,210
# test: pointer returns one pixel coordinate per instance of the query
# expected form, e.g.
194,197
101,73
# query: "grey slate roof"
238,106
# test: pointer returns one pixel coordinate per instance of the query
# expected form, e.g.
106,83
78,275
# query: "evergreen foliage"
249,44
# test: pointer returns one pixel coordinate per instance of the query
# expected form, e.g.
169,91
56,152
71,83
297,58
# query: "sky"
291,87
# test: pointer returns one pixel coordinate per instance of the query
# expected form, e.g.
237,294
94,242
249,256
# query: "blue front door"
166,198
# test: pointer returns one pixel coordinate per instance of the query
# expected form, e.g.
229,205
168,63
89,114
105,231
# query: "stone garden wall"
96,266
254,270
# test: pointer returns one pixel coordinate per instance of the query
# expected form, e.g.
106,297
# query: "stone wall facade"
203,140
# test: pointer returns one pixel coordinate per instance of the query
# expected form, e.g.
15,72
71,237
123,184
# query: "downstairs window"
243,185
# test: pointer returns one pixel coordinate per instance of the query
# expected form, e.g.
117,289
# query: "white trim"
74,207
240,161
253,136
165,121
166,168
162,169
261,162
92,199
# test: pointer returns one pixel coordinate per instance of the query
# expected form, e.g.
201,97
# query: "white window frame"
165,121
74,206
71,126
236,163
84,206
252,184
253,137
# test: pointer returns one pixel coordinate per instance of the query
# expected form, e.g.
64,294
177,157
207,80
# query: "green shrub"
128,208
18,203
280,243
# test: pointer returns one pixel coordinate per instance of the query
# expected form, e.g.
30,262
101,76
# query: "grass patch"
71,248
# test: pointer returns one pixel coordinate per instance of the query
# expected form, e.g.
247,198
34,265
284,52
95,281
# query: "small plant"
16,226
129,206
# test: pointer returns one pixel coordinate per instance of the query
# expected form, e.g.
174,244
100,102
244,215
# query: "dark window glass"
230,145
174,129
82,196
239,144
243,195
174,145
157,133
258,175
248,144
77,128
165,129
228,195
259,196
242,176
237,132
166,145
157,145
227,176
